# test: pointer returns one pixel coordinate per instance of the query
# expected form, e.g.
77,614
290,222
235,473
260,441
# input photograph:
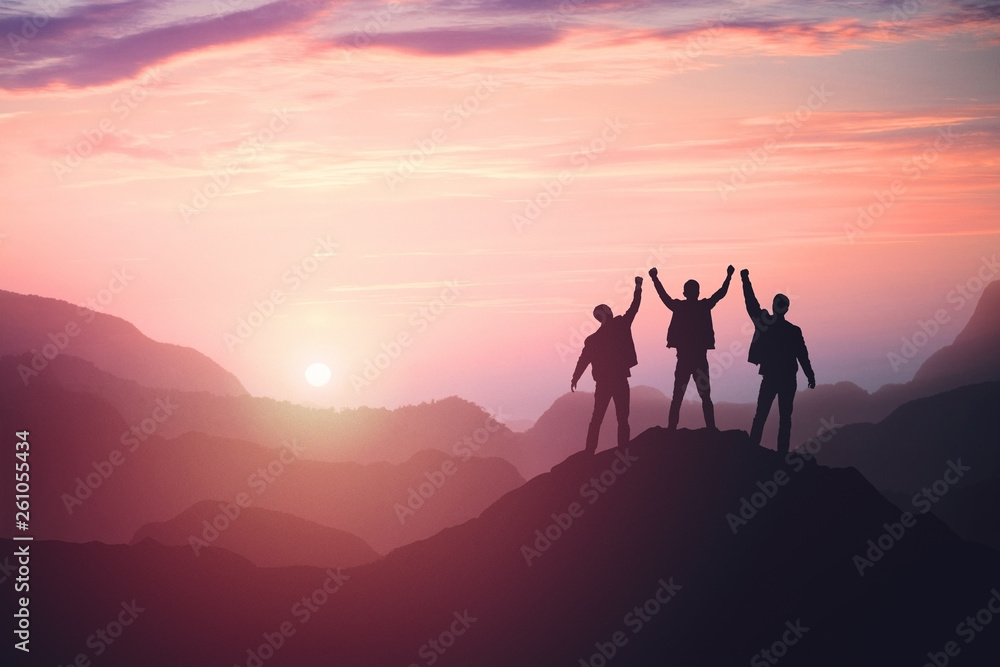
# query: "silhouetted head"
692,289
602,313
780,304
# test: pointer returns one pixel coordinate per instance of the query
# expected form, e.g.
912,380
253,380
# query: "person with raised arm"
778,348
691,332
610,352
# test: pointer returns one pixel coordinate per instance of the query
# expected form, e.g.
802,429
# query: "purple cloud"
457,41
79,50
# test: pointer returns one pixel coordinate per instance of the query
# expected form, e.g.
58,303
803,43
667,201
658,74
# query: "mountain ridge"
47,328
659,531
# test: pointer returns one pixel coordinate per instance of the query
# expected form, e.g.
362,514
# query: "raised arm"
636,297
664,297
722,291
753,305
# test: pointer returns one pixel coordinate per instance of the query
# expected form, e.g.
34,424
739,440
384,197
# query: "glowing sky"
456,184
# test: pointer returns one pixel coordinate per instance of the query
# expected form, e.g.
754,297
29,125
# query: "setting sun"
318,374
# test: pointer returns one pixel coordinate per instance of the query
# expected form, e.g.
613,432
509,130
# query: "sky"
431,197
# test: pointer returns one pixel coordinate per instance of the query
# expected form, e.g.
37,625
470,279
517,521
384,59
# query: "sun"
318,374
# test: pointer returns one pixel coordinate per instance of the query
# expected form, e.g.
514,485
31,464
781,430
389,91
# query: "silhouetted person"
778,348
611,353
691,332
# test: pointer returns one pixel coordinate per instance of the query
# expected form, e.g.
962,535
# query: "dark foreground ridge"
685,548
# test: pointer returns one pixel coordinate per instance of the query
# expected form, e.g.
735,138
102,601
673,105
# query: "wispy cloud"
99,44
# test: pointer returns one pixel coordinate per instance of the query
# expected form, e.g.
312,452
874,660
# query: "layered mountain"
973,357
109,358
45,329
688,548
95,477
363,435
264,537
939,454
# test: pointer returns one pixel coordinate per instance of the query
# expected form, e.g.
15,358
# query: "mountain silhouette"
368,435
973,357
264,537
103,481
116,362
932,441
363,435
650,572
44,329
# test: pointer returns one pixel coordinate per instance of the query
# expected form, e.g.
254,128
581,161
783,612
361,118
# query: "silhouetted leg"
602,396
702,381
786,400
622,399
681,377
709,411
764,400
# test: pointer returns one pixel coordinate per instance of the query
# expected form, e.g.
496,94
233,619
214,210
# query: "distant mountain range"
264,537
45,329
400,537
129,432
939,454
691,548
364,435
98,479
115,362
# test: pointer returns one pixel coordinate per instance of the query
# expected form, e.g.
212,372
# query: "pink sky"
412,136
